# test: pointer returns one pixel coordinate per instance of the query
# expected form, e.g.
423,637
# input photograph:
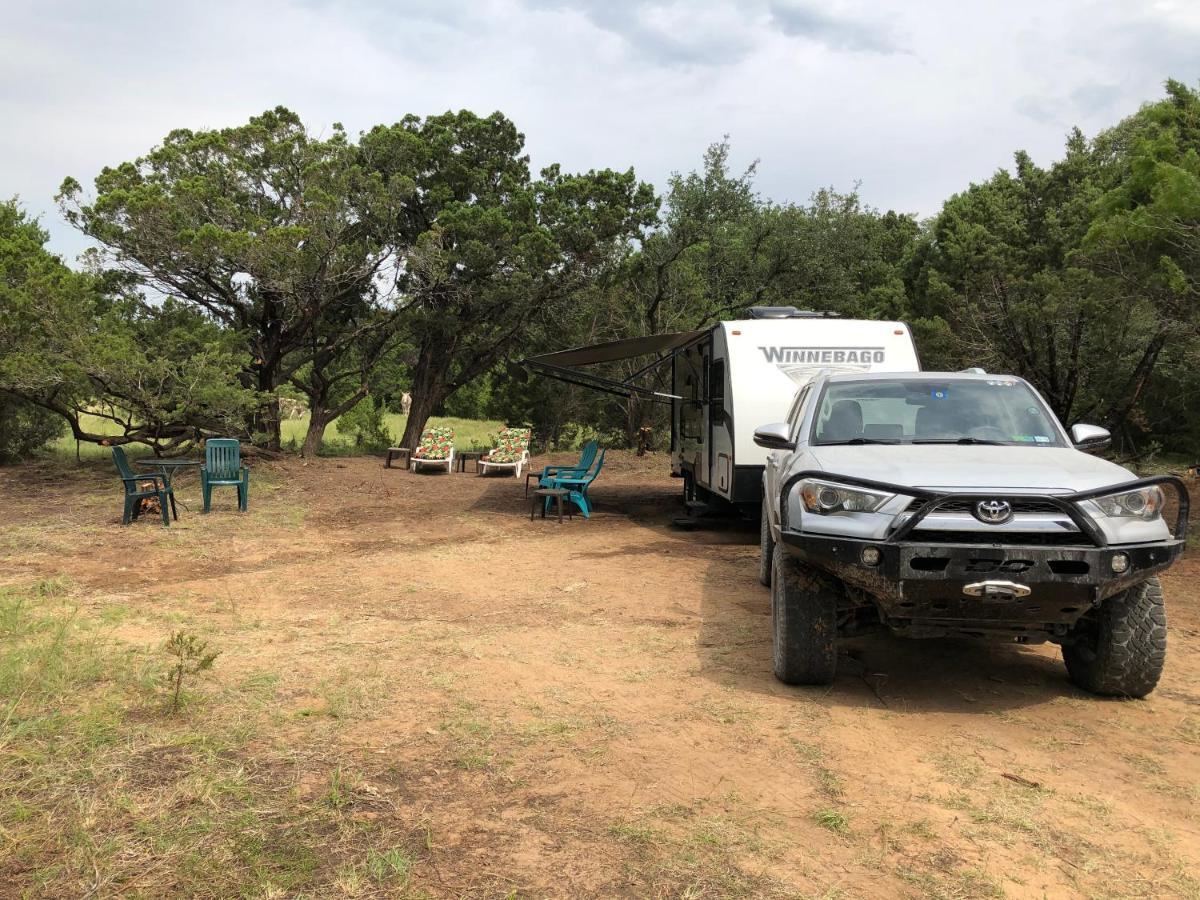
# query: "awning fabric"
614,350
564,365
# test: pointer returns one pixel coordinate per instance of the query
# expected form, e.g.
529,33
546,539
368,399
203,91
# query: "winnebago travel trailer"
729,379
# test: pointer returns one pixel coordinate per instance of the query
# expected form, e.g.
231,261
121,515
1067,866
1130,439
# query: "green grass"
469,434
105,793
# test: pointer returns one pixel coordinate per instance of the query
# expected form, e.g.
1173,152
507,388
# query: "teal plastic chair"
576,485
139,486
586,458
223,466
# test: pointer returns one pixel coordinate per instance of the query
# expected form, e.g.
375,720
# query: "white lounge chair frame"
415,461
484,465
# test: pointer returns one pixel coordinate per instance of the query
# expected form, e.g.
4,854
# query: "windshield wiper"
853,442
961,440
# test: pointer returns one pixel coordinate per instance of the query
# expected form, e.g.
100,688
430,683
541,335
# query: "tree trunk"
265,419
318,420
1137,381
429,390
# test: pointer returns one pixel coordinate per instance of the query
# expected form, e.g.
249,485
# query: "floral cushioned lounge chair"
511,452
436,449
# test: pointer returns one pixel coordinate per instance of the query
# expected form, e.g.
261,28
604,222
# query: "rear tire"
804,615
1121,648
766,547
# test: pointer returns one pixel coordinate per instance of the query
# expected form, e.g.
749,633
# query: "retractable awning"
564,365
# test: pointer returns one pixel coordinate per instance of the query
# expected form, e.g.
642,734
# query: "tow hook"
996,590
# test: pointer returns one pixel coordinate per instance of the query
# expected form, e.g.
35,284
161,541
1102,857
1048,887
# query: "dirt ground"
588,710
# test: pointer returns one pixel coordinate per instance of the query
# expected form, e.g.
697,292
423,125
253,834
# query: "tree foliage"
243,264
83,347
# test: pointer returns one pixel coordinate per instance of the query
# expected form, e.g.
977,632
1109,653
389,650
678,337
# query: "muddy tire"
804,615
1120,649
766,547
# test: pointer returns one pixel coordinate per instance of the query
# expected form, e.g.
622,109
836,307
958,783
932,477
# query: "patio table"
461,457
168,468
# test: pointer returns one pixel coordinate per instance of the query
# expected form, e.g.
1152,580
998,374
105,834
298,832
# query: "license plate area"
942,562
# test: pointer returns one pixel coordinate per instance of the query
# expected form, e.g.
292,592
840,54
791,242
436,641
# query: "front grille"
983,538
968,506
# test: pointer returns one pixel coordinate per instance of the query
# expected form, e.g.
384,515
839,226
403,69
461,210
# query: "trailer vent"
790,312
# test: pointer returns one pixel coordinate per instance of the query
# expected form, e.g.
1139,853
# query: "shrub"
366,426
25,428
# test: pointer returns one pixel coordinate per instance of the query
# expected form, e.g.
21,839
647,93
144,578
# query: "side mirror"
1090,437
776,436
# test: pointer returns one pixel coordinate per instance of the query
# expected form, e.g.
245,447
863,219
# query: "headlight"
824,497
1144,503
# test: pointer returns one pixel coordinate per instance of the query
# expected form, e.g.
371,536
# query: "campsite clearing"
419,692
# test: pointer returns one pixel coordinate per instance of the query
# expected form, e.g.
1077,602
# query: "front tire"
1120,650
804,615
766,547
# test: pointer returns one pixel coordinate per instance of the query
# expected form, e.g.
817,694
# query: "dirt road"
588,709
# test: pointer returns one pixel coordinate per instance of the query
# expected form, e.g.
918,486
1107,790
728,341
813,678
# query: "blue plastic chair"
140,486
576,485
223,466
586,458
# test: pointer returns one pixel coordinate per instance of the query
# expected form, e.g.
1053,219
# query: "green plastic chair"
576,485
586,458
136,489
223,466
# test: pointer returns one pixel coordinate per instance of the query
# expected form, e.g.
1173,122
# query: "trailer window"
716,390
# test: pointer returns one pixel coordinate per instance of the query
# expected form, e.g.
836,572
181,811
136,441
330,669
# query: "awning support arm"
600,383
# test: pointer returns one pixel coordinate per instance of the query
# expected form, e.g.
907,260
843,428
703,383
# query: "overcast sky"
914,99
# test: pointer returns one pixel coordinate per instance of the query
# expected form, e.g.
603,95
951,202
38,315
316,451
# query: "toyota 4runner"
934,504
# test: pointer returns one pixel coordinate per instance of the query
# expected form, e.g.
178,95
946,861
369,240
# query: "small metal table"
531,473
168,468
398,452
461,457
542,495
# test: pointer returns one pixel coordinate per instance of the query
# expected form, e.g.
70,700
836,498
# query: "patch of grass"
388,865
832,820
1146,765
468,434
959,767
473,760
956,884
106,794
1188,730
632,832
922,829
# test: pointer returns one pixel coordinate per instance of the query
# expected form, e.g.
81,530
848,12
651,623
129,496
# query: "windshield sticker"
1041,438
1024,438
939,393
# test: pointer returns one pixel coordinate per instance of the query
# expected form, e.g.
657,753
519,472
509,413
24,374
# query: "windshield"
924,411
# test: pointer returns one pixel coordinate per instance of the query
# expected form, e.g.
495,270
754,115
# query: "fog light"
870,556
1120,563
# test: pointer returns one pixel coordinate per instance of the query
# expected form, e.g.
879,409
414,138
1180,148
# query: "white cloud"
915,100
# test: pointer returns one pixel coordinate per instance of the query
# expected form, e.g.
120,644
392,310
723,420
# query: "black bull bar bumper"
990,583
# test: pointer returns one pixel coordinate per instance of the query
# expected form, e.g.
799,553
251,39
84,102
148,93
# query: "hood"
955,467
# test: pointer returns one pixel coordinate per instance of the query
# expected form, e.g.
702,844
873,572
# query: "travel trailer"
729,379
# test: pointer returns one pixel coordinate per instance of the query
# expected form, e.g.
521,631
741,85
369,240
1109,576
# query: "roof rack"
790,312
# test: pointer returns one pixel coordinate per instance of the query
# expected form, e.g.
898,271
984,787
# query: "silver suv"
956,503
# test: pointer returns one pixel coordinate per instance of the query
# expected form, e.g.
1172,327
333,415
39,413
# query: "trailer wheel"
1119,650
804,615
766,546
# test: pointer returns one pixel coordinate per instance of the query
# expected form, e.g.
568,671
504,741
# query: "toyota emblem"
993,512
